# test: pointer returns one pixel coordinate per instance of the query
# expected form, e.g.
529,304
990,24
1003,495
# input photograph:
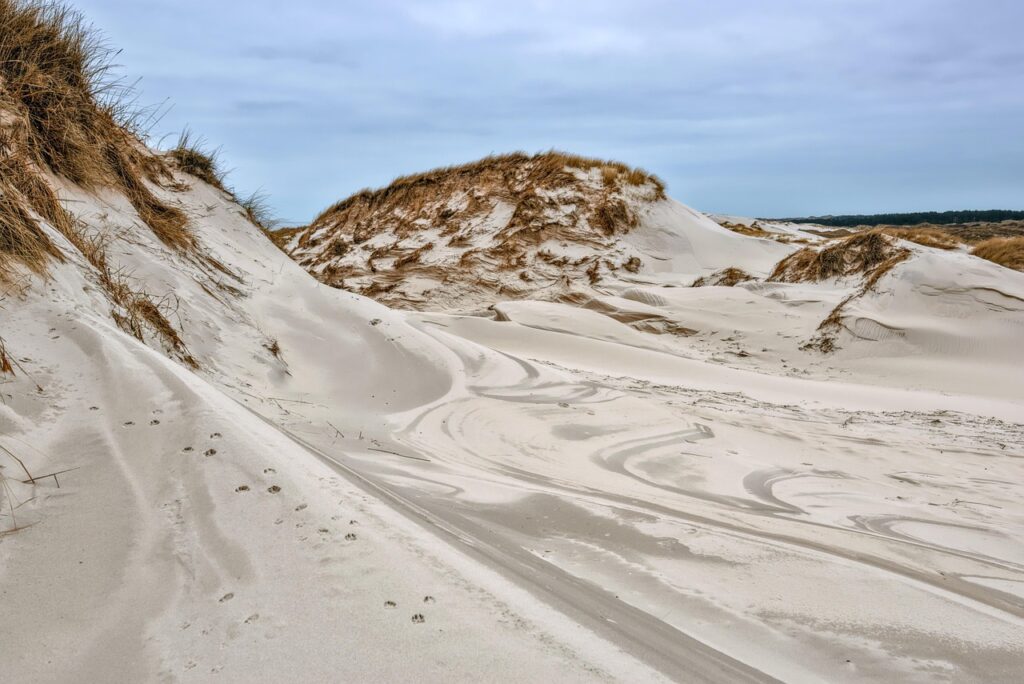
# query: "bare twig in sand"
20,462
54,475
395,453
340,433
8,493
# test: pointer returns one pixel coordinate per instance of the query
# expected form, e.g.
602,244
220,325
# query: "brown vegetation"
282,236
21,237
927,236
485,218
858,254
753,230
133,311
190,156
1005,251
870,255
961,232
516,171
61,114
727,277
5,361
256,208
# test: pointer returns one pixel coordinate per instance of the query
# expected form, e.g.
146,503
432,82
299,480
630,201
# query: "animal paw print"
227,597
273,489
209,452
129,423
215,435
300,507
428,599
187,449
418,619
350,536
242,488
154,422
390,604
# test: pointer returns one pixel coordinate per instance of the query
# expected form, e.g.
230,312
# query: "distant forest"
938,218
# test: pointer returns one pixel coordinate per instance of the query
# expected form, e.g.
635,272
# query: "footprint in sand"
242,488
390,604
227,597
350,536
154,422
209,452
418,618
273,489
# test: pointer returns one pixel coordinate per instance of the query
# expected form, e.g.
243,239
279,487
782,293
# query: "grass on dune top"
1005,251
546,169
62,114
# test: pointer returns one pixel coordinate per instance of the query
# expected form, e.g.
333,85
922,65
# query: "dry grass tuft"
61,113
870,254
861,253
753,230
929,237
5,361
257,209
727,277
22,240
756,230
134,312
517,171
168,223
191,157
282,236
1005,251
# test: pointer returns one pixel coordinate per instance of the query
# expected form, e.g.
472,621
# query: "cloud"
323,54
836,105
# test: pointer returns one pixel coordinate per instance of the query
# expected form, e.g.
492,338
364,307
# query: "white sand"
580,500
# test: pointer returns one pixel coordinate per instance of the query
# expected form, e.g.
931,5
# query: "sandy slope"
149,563
582,500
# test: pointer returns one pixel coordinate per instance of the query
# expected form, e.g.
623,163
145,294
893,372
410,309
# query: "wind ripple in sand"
619,459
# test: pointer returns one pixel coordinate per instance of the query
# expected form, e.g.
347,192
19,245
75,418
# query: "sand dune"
215,466
613,502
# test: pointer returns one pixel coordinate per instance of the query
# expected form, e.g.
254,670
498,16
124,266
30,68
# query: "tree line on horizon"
938,218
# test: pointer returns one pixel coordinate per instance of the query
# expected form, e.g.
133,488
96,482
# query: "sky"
746,107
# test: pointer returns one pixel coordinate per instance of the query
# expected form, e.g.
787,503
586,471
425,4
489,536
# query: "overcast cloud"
789,107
